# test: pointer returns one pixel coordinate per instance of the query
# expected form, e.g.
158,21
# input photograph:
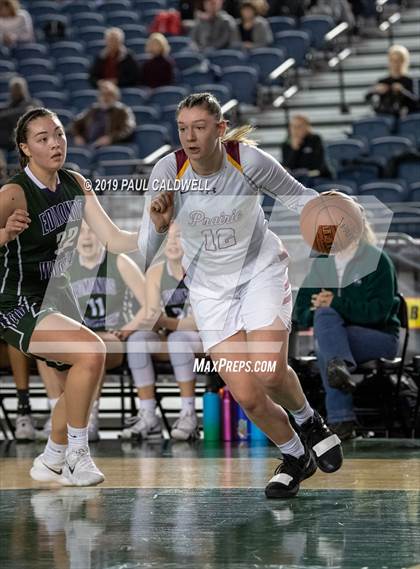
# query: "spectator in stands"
353,309
159,70
19,102
106,122
169,324
115,63
339,10
303,151
254,30
214,28
394,94
15,23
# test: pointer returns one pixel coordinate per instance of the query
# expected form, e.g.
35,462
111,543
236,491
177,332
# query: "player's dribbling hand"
162,211
16,223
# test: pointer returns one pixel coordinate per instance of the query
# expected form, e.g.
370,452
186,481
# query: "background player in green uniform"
40,214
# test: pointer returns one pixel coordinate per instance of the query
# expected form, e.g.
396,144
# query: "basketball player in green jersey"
41,209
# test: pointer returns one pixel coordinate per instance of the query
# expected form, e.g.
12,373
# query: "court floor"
179,506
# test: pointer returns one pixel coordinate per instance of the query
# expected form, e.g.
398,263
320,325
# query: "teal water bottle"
257,434
211,416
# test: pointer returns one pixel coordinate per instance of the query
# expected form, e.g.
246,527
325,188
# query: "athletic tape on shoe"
282,478
327,444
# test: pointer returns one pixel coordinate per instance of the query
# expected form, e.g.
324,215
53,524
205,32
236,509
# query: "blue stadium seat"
187,60
77,82
414,192
243,83
70,65
90,33
226,57
387,147
341,187
29,50
114,5
94,47
295,44
146,5
281,24
192,77
7,67
39,83
359,173
370,128
148,16
168,119
81,100
134,31
409,170
410,128
342,151
35,66
80,156
222,92
265,60
77,7
53,99
114,152
4,82
138,45
62,49
38,9
149,138
387,192
65,116
317,27
133,96
164,96
121,17
86,19
179,43
145,115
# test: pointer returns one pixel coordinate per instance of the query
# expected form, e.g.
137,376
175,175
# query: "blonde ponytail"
240,134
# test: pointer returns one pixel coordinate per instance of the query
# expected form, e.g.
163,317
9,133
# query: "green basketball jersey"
47,248
103,296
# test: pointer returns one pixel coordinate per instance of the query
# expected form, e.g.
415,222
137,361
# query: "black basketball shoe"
324,444
289,474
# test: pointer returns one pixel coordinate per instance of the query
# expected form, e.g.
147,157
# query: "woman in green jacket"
351,301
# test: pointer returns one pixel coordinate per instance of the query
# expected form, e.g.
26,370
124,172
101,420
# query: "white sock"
187,404
303,414
294,447
77,438
54,453
52,403
148,405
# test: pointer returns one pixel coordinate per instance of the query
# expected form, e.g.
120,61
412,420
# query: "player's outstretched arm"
111,236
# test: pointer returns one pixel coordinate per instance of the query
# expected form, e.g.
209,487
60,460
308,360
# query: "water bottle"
227,415
211,416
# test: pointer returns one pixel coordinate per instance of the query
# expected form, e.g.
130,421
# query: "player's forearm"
4,237
123,242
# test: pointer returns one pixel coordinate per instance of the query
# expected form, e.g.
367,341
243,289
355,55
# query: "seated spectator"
104,285
303,151
115,63
214,28
169,324
159,69
15,23
254,30
339,10
19,102
394,94
106,122
353,309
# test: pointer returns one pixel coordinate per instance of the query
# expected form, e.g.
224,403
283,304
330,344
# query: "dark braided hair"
21,130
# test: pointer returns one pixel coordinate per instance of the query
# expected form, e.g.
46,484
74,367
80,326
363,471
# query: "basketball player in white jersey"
237,275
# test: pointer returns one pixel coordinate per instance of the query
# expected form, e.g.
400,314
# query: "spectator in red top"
115,63
159,69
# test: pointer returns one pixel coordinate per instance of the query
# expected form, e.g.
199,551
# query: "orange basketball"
330,222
